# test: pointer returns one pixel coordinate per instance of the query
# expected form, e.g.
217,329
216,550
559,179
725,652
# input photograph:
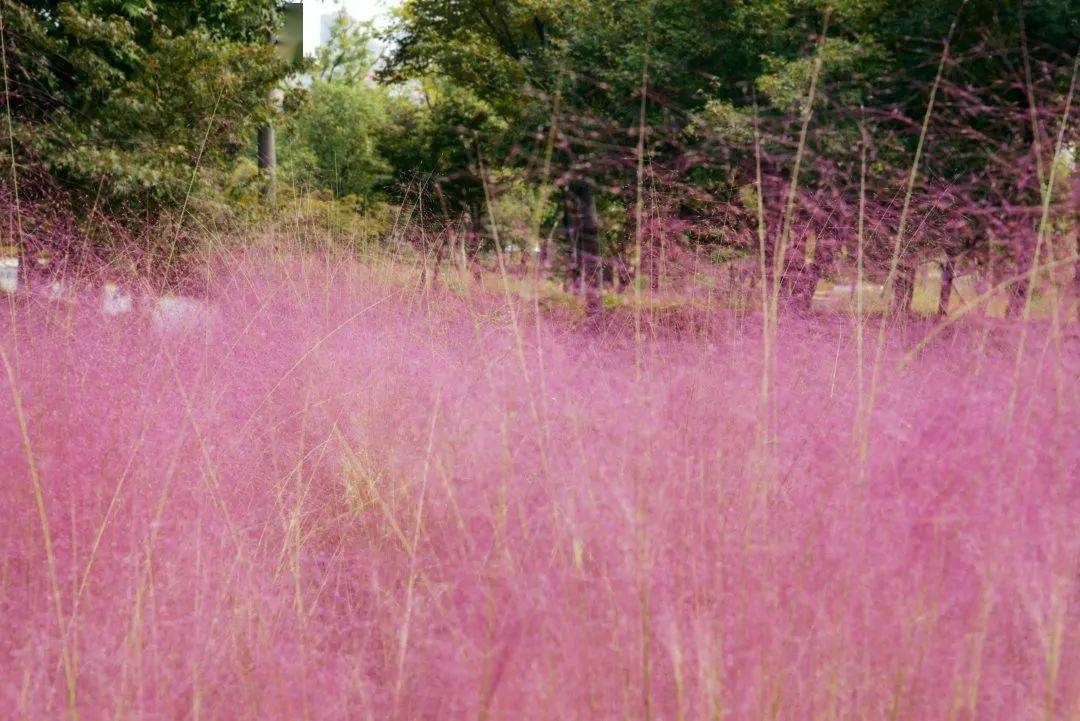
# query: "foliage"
333,136
337,139
129,105
516,201
136,106
436,138
347,56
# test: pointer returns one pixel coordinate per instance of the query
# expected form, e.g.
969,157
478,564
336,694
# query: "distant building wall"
326,24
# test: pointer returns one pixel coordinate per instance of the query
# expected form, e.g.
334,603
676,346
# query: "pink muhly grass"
334,500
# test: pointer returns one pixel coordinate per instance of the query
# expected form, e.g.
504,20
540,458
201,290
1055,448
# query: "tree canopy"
136,106
121,101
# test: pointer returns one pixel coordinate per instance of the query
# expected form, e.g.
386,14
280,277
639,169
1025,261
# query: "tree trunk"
1028,235
584,227
804,280
652,250
573,275
903,289
440,246
803,283
477,227
474,239
802,286
544,256
948,275
1018,291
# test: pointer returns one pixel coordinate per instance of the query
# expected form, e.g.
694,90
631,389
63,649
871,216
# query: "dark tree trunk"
477,227
803,282
625,273
948,276
804,279
1027,236
440,247
1018,291
474,239
573,276
545,253
903,289
652,252
1025,257
583,225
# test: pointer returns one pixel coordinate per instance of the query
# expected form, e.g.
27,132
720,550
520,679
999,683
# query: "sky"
376,10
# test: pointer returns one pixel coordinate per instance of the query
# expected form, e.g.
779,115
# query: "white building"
319,16
326,24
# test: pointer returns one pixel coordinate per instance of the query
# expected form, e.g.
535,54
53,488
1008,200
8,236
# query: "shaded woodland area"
794,140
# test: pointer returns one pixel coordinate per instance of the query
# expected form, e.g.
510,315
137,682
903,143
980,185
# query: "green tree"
333,141
130,105
574,69
347,55
437,129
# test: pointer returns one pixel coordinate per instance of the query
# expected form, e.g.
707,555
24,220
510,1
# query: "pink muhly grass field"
337,498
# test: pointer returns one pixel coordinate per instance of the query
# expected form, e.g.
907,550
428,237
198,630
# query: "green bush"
130,106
